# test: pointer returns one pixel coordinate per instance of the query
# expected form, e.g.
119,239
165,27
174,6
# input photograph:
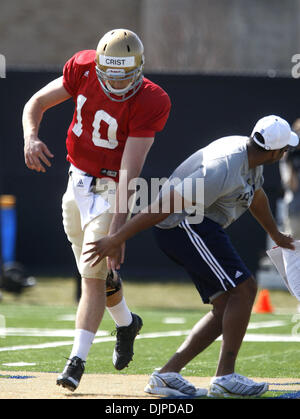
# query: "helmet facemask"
135,78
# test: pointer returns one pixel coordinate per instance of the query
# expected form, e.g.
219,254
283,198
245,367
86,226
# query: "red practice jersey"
100,127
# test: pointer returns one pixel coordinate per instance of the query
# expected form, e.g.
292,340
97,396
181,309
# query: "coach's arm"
261,211
153,214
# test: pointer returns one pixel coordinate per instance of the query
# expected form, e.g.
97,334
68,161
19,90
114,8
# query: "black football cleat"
123,351
71,375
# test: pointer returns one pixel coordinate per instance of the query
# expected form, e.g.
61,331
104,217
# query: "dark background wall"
204,107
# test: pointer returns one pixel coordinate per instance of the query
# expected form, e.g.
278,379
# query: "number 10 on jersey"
111,141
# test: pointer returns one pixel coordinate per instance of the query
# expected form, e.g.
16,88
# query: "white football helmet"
120,56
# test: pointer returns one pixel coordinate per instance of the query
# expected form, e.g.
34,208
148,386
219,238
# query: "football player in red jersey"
117,113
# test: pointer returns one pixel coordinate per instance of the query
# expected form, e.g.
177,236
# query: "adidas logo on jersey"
86,74
238,274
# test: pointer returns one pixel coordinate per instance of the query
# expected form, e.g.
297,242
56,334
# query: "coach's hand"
114,263
108,246
35,153
283,240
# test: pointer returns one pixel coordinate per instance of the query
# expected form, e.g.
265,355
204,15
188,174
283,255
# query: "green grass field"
45,315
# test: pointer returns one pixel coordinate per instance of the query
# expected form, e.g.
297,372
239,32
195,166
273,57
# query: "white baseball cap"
276,133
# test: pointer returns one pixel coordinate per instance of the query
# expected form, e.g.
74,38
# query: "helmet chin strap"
118,92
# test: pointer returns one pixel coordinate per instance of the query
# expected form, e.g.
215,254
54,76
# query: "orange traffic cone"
263,303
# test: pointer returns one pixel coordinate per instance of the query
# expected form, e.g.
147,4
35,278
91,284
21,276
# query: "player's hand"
36,153
99,249
283,240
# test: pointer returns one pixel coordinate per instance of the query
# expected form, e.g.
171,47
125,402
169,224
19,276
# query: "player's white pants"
94,230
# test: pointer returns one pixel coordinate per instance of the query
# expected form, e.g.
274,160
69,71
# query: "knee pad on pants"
113,284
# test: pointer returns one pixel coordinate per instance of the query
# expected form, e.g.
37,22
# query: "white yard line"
17,331
97,340
249,337
102,336
262,325
256,337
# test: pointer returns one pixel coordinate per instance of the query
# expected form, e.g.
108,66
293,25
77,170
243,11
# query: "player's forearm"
32,116
50,95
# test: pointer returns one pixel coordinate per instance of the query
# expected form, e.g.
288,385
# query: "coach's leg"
206,331
235,322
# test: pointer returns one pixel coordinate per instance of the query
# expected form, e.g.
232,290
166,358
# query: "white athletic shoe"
236,385
172,384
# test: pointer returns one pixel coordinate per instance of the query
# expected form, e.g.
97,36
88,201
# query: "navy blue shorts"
206,252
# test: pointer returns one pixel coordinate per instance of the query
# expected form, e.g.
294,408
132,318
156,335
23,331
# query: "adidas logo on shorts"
80,184
238,274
